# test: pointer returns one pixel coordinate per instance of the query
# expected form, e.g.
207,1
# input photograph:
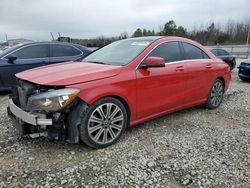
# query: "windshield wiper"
98,62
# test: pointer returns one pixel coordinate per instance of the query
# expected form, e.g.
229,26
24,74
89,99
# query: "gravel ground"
190,148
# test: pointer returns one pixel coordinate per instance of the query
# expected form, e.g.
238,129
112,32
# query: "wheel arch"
223,81
125,104
118,97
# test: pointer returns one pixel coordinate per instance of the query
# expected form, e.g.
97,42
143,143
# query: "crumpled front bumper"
20,117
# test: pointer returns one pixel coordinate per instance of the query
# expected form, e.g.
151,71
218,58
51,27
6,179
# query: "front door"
162,89
28,57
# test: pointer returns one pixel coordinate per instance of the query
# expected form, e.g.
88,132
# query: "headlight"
52,101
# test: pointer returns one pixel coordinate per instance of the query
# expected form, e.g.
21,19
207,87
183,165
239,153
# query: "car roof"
145,38
48,42
154,38
216,49
165,38
80,47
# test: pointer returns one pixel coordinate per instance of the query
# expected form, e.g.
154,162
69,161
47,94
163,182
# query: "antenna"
52,35
248,35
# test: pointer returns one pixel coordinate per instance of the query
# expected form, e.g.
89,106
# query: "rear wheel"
215,94
103,123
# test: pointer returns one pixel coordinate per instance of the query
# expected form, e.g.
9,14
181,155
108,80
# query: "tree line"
99,41
212,34
231,33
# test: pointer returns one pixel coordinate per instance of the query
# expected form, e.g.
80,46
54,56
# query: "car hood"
69,73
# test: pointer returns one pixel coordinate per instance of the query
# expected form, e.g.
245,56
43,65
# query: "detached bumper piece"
27,117
39,125
27,123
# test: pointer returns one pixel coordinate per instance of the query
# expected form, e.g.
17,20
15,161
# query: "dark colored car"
31,55
225,56
244,70
122,84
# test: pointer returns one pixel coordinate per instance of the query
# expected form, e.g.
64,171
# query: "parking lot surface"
195,147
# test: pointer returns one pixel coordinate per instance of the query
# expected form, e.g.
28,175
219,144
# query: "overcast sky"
33,19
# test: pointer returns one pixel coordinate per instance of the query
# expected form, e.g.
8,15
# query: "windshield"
119,52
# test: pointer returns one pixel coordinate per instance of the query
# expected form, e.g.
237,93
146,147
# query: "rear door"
64,52
200,72
29,56
162,89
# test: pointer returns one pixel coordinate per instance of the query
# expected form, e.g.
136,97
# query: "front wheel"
215,94
103,123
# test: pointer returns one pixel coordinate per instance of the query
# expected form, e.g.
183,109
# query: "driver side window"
170,51
32,52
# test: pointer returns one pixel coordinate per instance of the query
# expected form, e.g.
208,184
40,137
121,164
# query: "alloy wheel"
105,123
216,94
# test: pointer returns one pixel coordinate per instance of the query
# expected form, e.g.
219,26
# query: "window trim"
173,62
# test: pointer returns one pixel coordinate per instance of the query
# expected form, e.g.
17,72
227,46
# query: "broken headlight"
52,101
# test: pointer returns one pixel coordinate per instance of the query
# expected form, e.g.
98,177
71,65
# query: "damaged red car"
122,84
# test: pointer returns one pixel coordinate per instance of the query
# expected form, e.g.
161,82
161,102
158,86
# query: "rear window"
222,52
214,51
60,50
193,52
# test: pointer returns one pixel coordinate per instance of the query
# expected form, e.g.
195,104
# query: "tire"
215,95
103,123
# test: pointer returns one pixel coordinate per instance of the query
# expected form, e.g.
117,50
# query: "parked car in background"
244,70
225,56
122,84
31,55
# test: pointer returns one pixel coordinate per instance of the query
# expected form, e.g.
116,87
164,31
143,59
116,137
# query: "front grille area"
22,91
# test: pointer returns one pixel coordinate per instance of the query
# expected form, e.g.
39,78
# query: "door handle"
209,66
179,69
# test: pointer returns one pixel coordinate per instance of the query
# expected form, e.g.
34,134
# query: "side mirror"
151,62
11,58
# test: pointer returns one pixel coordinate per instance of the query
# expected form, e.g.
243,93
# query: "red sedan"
125,83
